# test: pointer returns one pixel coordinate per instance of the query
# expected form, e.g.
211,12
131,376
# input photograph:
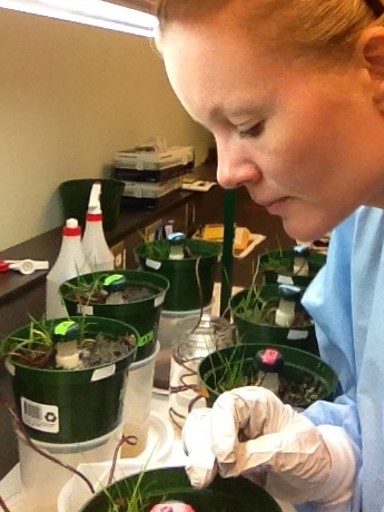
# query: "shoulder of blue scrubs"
347,304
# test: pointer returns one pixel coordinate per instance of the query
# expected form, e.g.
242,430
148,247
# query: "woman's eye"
254,131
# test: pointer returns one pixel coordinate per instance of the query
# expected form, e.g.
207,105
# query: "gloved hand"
252,433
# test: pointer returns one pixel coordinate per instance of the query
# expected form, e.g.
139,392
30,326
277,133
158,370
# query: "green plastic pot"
155,486
75,197
143,315
297,364
183,293
301,337
284,274
72,406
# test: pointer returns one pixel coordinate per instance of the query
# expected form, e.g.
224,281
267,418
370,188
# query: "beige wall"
70,96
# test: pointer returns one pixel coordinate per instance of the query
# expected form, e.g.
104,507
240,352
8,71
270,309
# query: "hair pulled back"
321,29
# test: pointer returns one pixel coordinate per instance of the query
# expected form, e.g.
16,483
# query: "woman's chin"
304,231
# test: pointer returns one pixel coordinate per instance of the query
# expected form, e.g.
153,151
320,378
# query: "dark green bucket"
72,406
172,484
183,293
297,364
277,267
143,315
75,197
301,337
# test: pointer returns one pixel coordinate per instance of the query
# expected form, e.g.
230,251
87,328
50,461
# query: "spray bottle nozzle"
94,198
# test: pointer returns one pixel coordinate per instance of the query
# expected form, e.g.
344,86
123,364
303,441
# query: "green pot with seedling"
189,265
273,314
297,266
132,296
143,491
296,376
69,376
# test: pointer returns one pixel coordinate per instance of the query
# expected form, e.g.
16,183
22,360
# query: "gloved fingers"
200,477
201,465
247,412
298,450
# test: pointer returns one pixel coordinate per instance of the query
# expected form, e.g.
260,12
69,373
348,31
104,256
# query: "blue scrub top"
346,300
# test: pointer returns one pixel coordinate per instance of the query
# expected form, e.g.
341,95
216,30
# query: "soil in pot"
141,492
254,312
94,293
304,378
278,267
68,376
132,296
39,349
191,278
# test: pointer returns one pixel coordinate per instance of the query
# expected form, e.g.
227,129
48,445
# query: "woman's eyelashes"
254,131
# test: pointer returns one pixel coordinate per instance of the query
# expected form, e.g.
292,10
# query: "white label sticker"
40,416
159,300
284,279
83,309
153,264
297,335
103,373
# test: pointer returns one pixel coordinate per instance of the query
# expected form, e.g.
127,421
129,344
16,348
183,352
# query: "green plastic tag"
112,279
62,328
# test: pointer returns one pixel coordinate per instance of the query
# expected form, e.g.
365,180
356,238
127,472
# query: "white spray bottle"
96,250
70,263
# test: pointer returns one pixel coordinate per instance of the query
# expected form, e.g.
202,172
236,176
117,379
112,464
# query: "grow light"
97,13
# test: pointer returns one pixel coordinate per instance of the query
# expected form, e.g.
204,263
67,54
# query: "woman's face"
303,142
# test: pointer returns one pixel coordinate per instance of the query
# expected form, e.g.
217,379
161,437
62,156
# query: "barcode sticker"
40,416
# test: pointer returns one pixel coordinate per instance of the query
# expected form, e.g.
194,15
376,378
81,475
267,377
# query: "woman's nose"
234,172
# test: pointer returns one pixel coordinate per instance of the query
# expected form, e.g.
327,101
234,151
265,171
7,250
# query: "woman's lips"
275,207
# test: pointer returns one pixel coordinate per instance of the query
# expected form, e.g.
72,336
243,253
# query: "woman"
293,92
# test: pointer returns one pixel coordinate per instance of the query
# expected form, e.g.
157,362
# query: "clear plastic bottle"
96,250
69,263
195,340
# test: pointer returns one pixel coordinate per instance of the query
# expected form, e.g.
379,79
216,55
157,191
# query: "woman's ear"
371,49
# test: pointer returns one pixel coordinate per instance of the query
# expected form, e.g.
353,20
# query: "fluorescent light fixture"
97,13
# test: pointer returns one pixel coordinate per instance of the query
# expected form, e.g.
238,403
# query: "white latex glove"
251,432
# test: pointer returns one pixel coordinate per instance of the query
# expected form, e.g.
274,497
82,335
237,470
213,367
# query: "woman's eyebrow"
225,112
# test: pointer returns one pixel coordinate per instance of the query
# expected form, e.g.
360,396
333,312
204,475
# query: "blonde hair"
321,29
